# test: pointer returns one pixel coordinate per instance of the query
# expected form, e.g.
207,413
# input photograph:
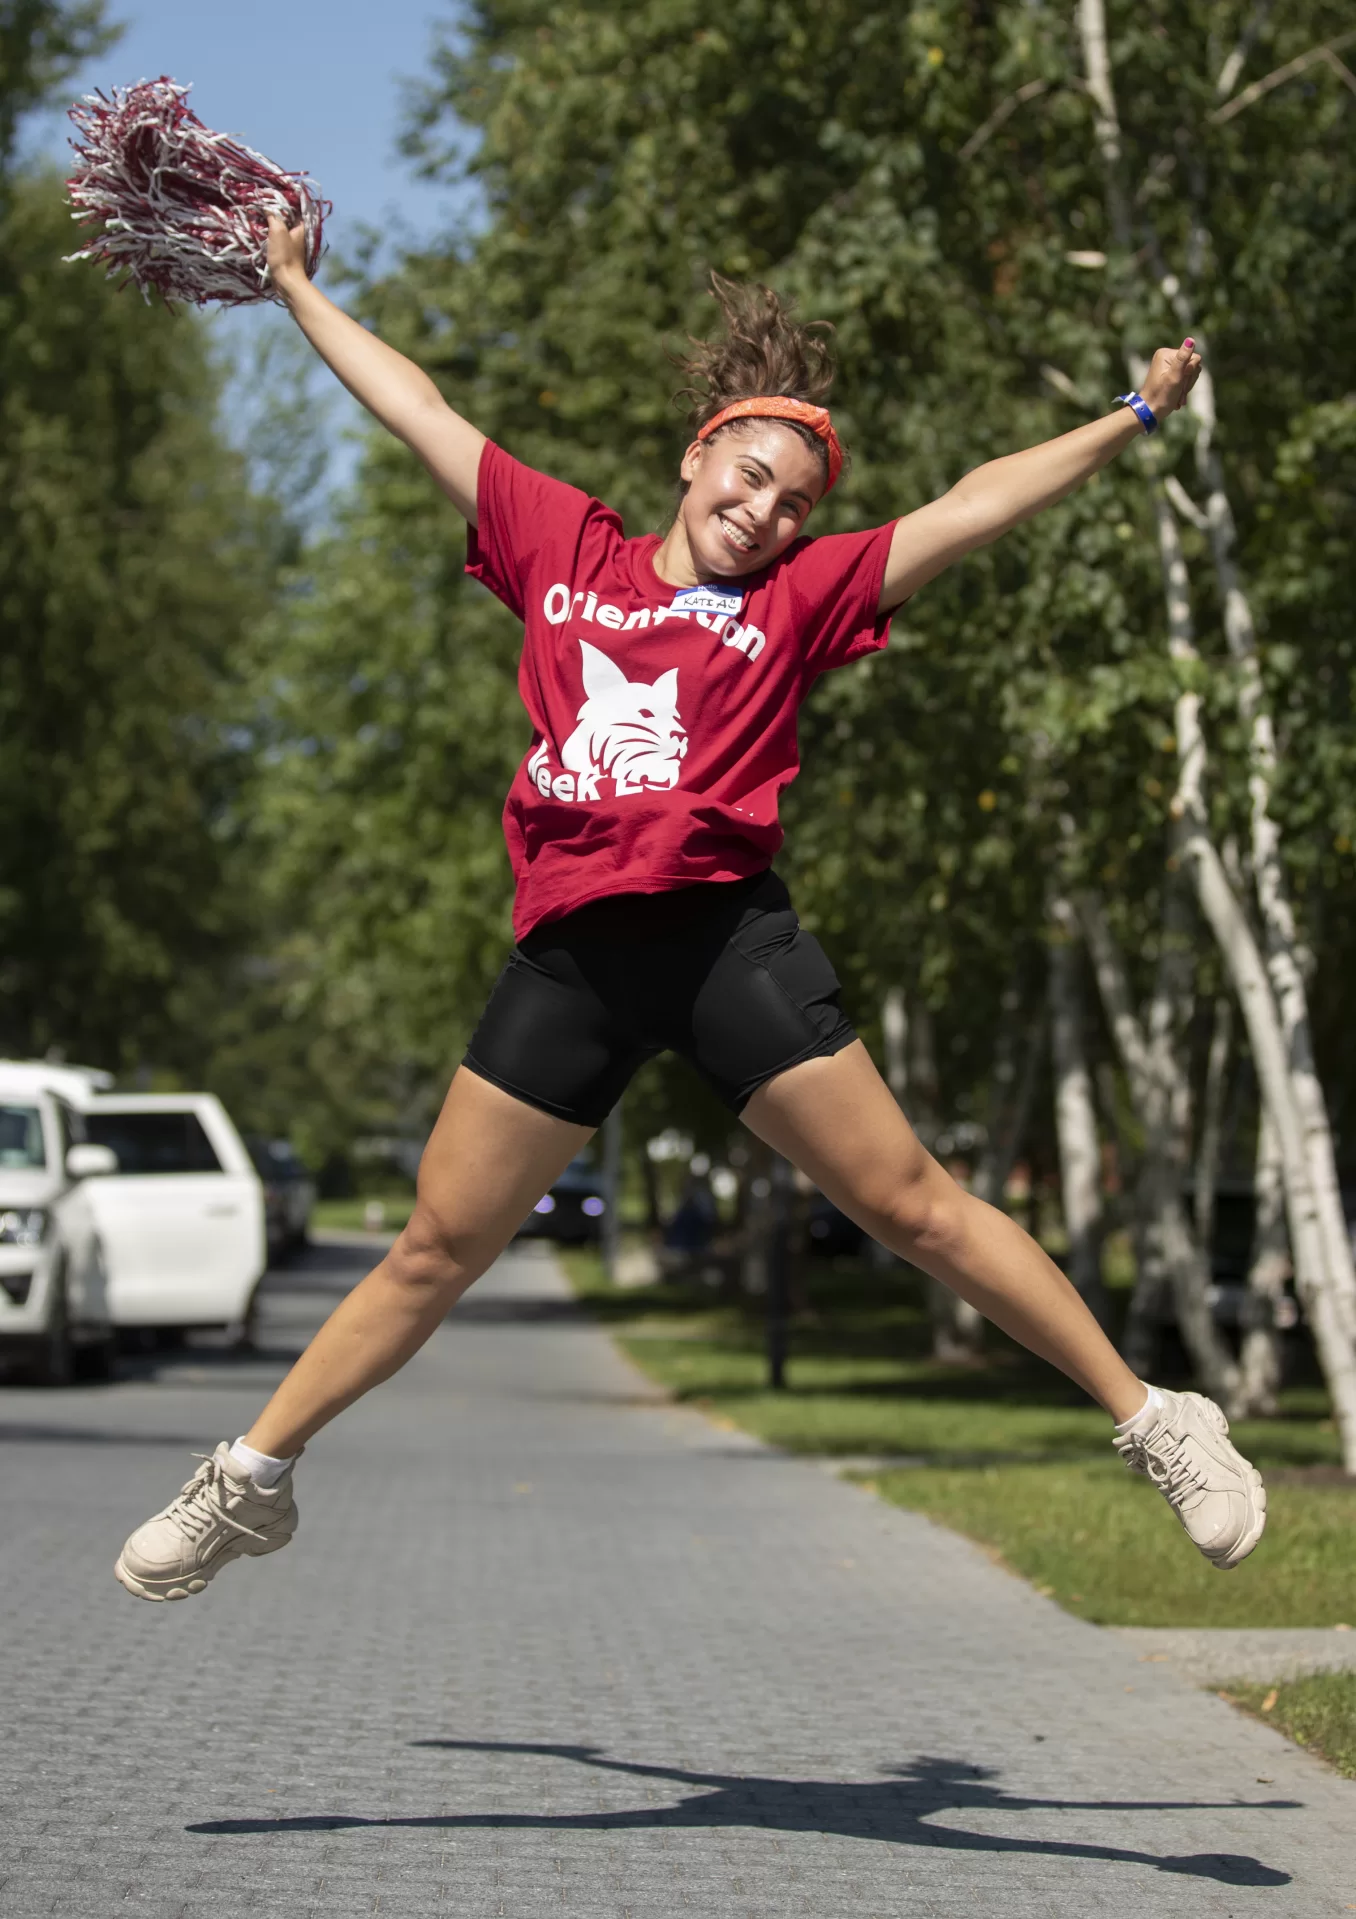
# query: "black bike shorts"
720,973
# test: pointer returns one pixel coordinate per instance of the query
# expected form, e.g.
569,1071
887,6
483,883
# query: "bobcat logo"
628,732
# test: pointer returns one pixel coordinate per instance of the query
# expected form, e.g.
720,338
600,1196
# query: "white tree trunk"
1285,957
1011,1095
1328,1307
894,1022
925,1087
894,1027
911,1069
1210,1141
1329,1302
1268,1270
1167,1253
1080,1158
1107,126
1329,1310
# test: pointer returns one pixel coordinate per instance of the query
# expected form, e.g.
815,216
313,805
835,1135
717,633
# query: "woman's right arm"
393,389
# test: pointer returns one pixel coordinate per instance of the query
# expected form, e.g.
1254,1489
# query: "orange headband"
777,406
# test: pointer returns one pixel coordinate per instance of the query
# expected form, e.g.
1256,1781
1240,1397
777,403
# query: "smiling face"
750,489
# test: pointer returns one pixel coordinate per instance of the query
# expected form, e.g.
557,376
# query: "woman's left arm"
1000,494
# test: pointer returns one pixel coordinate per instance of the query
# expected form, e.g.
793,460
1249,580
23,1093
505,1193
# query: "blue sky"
316,85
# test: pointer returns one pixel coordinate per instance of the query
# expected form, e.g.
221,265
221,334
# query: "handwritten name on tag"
708,599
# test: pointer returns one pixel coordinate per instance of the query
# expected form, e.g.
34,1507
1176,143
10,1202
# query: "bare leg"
837,1120
490,1159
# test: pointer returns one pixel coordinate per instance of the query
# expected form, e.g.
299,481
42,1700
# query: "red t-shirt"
664,718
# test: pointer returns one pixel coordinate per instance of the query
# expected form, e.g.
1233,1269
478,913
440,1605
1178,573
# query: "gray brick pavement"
547,1646
1214,1657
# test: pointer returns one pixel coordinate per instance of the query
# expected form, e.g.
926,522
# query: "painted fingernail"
1188,343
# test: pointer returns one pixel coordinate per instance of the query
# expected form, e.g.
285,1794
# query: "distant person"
662,677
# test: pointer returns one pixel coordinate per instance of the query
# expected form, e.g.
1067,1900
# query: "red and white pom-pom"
181,210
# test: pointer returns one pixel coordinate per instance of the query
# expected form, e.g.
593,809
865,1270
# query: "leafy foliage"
132,559
929,182
40,44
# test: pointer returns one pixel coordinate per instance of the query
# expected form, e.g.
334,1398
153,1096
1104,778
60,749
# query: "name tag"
708,599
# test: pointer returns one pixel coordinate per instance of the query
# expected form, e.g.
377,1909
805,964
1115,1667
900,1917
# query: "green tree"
132,561
930,181
40,45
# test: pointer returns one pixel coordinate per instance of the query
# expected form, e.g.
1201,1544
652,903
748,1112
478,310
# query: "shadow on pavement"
893,1811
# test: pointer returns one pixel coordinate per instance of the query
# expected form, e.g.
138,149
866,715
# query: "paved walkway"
1214,1656
545,1646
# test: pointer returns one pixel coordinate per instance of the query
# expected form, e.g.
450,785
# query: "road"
546,1645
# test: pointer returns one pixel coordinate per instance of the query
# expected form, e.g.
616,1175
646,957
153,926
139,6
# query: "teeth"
736,533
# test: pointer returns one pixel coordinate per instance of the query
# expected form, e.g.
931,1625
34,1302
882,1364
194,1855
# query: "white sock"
1152,1404
264,1471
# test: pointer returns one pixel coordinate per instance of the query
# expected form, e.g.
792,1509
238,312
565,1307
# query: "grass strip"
1318,1712
1007,1452
1107,1547
350,1215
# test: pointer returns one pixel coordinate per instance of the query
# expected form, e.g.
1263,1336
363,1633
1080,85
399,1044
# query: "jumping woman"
662,679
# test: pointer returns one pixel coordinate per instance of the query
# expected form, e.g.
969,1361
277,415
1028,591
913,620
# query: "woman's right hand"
286,253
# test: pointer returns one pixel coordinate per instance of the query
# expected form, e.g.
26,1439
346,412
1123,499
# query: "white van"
53,1283
181,1223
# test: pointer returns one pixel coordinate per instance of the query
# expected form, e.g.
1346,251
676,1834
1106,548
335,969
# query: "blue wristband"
1136,401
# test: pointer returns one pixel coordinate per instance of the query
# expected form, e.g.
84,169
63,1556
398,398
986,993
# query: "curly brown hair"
761,350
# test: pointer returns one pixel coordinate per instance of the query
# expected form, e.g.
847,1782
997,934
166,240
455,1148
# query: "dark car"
572,1212
289,1194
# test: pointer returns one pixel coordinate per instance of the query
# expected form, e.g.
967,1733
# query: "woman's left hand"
1171,376
994,497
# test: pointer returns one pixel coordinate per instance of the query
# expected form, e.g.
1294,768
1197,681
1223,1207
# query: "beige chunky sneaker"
1187,1453
220,1515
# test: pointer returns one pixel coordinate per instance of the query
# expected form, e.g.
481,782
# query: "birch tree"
1268,1270
1075,1110
1323,1268
911,1073
1012,1088
1286,960
1210,1133
1169,1258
